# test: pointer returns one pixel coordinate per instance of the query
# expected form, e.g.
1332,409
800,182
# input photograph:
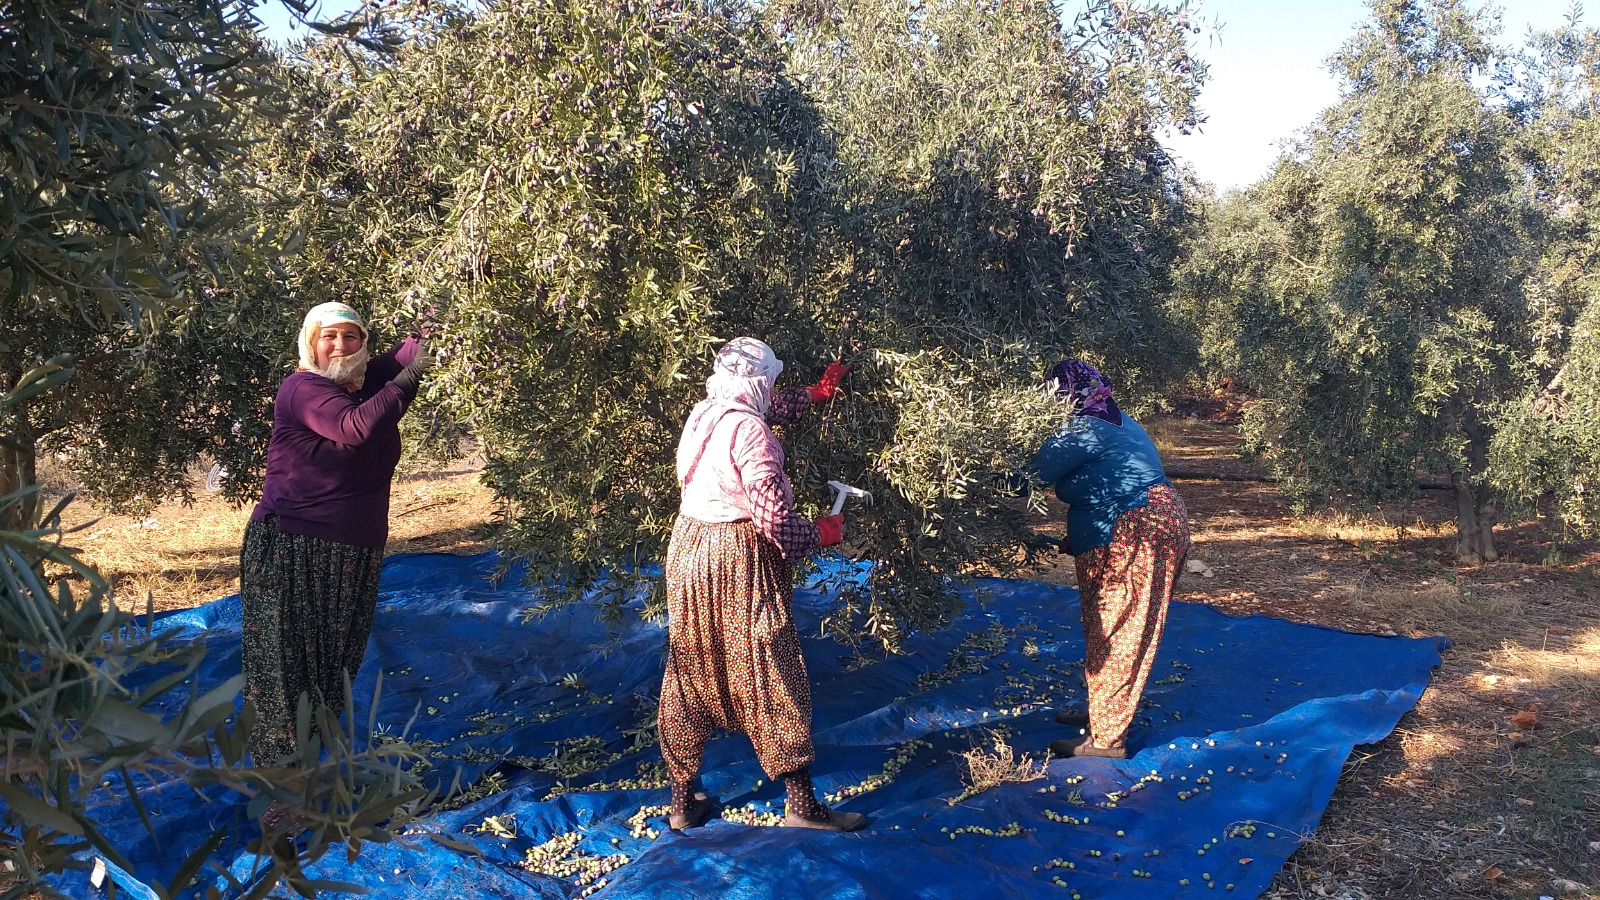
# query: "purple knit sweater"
333,453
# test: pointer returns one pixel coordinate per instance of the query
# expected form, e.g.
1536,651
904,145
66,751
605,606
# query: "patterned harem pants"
1125,588
733,655
308,608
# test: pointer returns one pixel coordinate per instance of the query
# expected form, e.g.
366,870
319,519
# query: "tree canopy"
1372,290
1547,436
583,200
124,124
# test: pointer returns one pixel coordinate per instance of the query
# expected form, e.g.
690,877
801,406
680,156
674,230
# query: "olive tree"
121,125
1006,165
581,201
1372,290
584,200
119,226
1011,204
1547,438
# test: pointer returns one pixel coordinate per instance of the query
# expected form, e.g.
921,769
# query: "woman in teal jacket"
1128,533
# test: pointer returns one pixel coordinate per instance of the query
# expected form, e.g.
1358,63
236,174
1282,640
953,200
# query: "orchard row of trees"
1414,286
579,199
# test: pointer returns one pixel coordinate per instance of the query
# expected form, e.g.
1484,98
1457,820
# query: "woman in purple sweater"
308,570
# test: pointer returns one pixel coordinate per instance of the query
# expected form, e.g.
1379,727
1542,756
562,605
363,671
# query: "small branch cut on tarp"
988,768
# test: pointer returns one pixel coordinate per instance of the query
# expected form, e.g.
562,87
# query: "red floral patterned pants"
1125,587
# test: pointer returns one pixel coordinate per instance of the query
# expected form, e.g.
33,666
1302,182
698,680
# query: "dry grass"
176,560
1491,788
988,768
1473,618
1167,434
1372,528
1572,672
1534,646
182,556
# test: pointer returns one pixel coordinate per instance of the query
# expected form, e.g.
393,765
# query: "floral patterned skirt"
308,609
733,655
1125,588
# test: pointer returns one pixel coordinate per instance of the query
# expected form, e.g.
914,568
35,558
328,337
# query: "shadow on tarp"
1246,726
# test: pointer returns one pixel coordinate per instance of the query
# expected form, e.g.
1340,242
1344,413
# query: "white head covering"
741,381
743,375
321,316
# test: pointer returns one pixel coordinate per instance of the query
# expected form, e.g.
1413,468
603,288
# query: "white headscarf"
743,375
346,370
741,381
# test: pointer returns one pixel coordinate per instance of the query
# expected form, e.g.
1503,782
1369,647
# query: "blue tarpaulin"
1247,724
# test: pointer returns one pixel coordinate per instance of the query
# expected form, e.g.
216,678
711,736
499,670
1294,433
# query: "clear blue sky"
1268,78
281,27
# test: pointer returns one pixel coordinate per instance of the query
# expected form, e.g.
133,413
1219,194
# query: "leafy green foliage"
1009,205
1005,171
1547,438
931,434
583,200
118,121
1372,290
122,125
113,124
626,165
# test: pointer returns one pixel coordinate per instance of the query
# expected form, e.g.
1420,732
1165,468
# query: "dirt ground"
1490,788
182,556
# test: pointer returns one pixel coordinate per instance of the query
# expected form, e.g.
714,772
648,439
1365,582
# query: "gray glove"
410,378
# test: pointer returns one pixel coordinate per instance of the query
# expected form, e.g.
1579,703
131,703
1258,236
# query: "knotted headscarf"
346,370
741,380
1089,389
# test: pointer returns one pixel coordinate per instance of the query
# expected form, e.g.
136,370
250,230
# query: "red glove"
827,387
830,530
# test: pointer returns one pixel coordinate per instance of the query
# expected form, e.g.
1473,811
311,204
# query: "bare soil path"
1491,787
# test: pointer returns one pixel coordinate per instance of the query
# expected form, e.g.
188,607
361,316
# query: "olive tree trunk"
17,464
1475,517
17,473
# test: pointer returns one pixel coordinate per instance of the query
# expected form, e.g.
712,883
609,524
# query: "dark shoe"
1068,747
694,815
831,820
1074,717
1084,747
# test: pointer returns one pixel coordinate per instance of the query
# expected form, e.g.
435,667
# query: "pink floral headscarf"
1087,387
